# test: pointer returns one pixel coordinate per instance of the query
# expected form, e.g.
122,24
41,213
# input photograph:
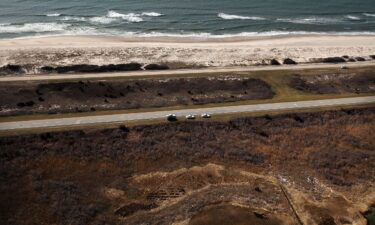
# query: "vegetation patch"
335,83
63,97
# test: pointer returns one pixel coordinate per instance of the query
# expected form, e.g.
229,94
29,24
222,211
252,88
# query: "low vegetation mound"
27,98
335,83
11,69
328,60
289,61
229,215
156,67
85,68
274,62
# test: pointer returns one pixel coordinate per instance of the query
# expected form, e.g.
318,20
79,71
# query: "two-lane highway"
114,118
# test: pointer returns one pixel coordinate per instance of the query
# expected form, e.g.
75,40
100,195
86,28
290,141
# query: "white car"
206,115
190,117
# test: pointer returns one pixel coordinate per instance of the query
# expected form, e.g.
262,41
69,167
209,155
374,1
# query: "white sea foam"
236,17
112,16
152,14
352,17
130,17
96,19
53,14
310,20
73,18
33,27
102,19
369,14
73,31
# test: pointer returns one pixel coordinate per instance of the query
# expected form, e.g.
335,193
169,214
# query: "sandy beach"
180,52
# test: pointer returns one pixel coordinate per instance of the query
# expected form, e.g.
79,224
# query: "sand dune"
181,52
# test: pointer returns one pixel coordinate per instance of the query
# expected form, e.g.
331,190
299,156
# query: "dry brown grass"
64,177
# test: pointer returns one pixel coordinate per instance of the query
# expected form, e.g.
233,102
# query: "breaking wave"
112,16
73,18
53,14
310,20
33,27
130,17
152,14
102,20
369,14
352,17
236,17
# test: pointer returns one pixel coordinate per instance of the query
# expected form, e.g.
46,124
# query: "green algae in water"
370,216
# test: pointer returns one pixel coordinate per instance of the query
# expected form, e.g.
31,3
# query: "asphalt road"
74,121
51,77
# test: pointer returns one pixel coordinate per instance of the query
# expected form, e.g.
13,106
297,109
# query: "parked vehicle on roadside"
171,117
206,116
190,117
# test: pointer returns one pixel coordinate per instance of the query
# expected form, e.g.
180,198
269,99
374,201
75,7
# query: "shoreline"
83,39
200,37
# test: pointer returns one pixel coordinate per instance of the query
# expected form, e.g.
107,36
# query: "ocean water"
189,18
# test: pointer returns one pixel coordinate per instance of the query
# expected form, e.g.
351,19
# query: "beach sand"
180,52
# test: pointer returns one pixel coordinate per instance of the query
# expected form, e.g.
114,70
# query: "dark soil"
360,59
274,62
231,215
156,67
11,69
86,68
329,60
63,177
289,61
29,98
132,208
335,83
342,59
370,216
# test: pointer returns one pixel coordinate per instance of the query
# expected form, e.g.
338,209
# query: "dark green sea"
194,18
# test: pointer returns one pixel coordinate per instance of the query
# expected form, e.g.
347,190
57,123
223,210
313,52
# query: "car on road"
190,117
171,117
206,116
